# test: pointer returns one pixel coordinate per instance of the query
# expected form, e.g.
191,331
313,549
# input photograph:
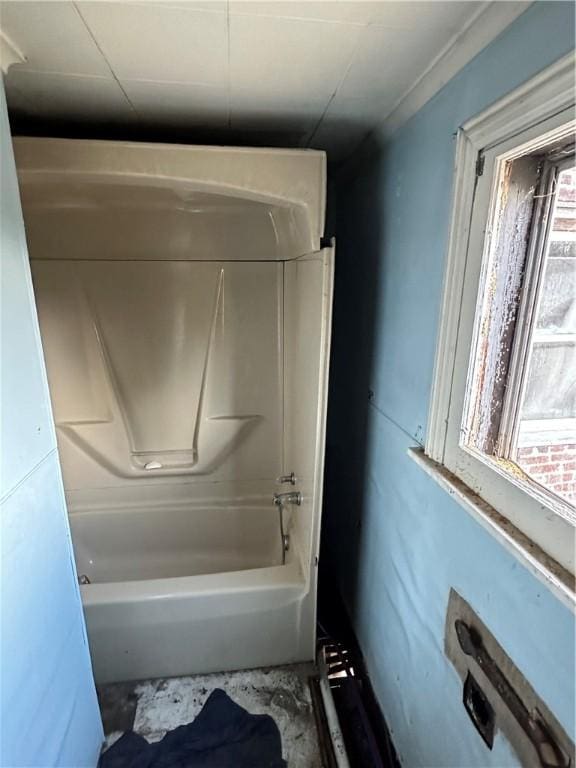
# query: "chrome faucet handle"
293,497
291,478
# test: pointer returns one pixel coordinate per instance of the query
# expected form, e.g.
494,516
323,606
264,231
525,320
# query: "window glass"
547,437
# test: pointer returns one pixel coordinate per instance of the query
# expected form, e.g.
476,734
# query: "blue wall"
395,540
48,709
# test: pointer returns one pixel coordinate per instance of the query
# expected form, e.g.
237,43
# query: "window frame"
541,106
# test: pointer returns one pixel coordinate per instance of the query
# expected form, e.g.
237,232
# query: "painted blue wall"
48,709
395,540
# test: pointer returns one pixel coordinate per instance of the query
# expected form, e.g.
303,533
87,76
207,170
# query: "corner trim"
480,30
556,578
455,268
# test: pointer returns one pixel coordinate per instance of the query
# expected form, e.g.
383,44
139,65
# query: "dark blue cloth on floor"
223,735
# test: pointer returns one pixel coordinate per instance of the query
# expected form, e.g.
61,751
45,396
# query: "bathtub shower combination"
184,302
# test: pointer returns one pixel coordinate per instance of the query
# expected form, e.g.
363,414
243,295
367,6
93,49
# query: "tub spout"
294,497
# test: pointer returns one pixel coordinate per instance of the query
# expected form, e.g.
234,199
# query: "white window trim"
549,93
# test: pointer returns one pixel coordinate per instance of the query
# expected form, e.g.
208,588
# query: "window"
521,390
503,406
544,443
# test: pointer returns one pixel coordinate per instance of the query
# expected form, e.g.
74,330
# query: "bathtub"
191,590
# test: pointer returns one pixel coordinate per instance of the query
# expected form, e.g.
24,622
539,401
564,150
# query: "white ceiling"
306,73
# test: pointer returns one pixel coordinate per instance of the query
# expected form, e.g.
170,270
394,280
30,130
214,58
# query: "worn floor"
152,707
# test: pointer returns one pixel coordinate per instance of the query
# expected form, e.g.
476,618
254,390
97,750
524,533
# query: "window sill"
556,578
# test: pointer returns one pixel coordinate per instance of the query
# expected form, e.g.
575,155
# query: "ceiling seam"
321,118
118,83
58,73
173,8
335,92
305,19
164,81
317,20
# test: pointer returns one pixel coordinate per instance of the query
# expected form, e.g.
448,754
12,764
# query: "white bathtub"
184,591
145,543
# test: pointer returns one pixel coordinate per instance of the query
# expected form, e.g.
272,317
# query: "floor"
152,707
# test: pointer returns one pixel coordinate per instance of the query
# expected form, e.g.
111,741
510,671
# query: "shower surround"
184,300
